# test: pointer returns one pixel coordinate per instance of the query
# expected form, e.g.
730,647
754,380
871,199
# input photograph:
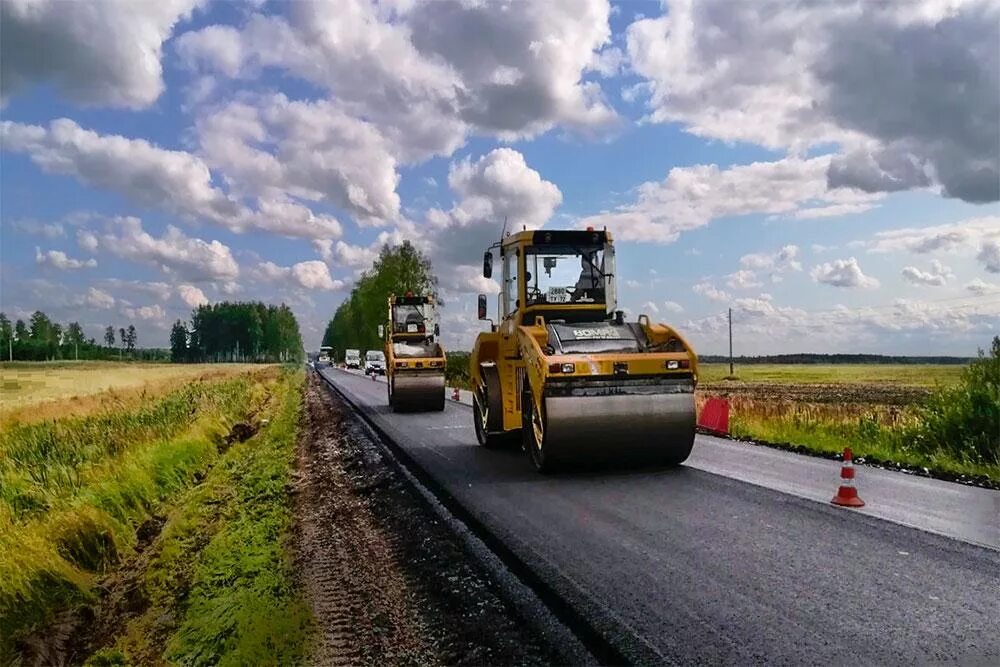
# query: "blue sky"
839,194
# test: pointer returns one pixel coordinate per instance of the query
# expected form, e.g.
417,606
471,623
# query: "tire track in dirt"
387,583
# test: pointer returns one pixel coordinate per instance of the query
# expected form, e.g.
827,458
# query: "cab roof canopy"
563,237
410,300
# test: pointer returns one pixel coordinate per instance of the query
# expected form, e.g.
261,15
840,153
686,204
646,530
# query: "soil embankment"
387,582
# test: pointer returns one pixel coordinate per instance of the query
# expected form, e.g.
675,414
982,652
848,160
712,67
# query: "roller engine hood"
596,337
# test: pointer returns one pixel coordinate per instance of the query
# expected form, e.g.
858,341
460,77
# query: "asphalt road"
687,565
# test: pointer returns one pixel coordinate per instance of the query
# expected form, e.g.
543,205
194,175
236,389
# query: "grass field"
43,390
83,498
877,410
915,375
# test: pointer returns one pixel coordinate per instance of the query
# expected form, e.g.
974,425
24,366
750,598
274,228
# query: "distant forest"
42,339
244,331
808,358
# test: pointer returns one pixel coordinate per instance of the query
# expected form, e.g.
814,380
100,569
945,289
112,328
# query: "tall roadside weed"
963,421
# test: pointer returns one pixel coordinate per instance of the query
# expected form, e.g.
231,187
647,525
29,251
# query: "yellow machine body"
564,373
414,359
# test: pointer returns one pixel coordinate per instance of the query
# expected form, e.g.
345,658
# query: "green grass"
47,463
73,492
866,438
955,429
219,579
918,375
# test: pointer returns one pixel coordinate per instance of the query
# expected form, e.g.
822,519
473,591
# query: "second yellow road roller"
563,372
415,359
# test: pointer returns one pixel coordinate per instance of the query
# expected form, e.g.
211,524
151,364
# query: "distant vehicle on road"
325,354
375,362
352,359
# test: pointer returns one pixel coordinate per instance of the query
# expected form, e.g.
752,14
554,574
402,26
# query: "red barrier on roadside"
714,416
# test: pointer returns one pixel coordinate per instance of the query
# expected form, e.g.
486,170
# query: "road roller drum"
563,369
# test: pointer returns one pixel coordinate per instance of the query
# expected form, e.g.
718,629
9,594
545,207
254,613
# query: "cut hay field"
32,391
911,375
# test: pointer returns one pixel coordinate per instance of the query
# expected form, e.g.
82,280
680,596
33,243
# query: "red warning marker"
714,416
847,494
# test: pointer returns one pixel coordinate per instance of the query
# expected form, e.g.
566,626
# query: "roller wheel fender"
533,427
487,410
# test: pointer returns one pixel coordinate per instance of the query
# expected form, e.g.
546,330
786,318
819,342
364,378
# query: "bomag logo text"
594,333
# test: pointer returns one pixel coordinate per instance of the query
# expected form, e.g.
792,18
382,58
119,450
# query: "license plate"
557,295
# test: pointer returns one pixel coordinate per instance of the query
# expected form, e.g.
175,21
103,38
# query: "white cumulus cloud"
148,313
87,240
312,274
980,287
966,235
780,261
989,255
59,260
274,147
175,181
191,295
710,292
428,74
95,53
743,279
692,197
345,254
785,75
96,298
498,185
189,258
938,275
842,273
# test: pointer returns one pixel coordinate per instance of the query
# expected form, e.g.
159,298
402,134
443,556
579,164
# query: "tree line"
237,331
396,270
41,339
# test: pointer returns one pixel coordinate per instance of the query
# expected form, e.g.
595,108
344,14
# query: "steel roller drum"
418,391
620,423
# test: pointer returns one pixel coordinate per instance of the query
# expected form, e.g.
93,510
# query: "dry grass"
750,407
32,392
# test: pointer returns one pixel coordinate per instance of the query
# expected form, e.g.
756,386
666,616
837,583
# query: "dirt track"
388,584
859,393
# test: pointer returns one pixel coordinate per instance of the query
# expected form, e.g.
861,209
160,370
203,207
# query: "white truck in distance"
352,359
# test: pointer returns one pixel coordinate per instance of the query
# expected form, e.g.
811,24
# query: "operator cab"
560,275
413,327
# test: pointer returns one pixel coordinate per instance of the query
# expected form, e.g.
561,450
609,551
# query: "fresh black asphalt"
683,565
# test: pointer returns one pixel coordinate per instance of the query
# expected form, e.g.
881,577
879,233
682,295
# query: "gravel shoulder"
386,581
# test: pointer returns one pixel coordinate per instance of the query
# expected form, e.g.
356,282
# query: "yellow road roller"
563,371
415,360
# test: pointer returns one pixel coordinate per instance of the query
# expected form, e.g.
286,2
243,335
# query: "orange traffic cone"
455,395
847,495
